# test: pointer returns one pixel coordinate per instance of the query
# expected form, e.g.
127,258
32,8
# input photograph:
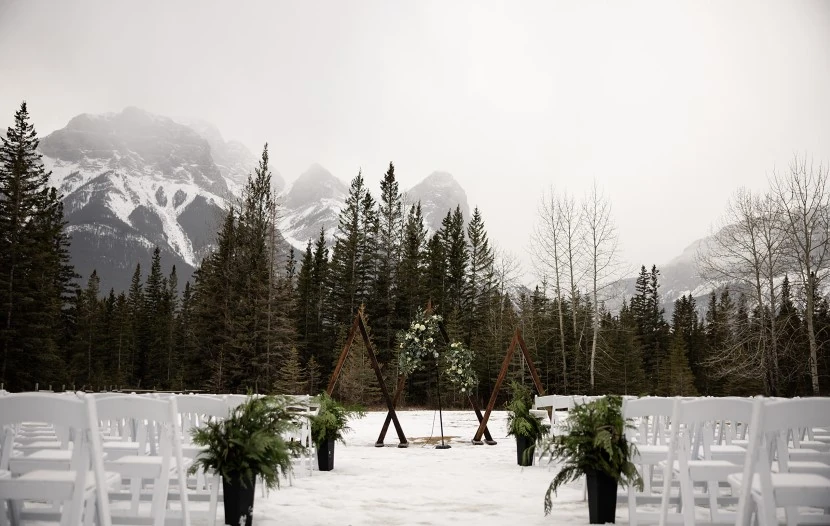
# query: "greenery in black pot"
593,440
331,421
524,425
249,442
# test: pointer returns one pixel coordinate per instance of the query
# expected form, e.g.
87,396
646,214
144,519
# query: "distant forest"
262,317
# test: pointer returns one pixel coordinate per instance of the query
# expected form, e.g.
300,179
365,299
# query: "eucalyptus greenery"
332,420
249,442
520,421
593,438
418,342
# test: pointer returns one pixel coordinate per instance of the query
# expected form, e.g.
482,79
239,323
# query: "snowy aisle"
467,484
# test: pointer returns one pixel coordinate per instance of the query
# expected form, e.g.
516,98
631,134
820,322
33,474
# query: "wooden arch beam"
517,340
359,324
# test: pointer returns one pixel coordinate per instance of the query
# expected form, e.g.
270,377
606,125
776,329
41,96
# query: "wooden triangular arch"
517,340
402,381
359,323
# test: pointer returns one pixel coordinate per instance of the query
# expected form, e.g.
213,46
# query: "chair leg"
214,498
632,506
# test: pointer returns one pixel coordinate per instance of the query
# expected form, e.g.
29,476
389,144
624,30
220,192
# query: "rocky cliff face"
132,181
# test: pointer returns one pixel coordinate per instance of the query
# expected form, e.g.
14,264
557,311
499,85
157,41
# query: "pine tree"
676,377
351,269
384,295
291,378
479,282
138,329
35,275
155,365
413,265
457,254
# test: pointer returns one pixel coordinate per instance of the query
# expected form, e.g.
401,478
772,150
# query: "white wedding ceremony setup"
110,458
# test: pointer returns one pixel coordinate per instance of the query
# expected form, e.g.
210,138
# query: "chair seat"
708,469
650,454
791,489
144,466
58,484
731,452
806,466
43,459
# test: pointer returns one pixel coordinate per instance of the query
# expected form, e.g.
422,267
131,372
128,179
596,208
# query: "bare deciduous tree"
746,250
601,250
804,200
548,247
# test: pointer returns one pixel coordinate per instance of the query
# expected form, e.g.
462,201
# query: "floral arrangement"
421,341
418,342
458,368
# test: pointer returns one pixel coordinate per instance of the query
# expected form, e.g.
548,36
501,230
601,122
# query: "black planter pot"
602,497
239,501
522,445
325,455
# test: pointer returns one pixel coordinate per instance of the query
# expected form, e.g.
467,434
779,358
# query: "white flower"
463,389
429,340
435,354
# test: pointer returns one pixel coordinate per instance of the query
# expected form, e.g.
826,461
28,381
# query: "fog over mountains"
134,180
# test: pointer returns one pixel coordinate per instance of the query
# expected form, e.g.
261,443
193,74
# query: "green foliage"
593,438
249,442
332,420
520,421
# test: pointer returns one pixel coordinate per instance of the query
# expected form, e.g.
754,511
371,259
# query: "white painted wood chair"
194,411
156,428
762,489
651,416
71,486
695,424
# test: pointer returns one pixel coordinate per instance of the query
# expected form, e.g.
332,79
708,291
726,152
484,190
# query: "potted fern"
328,426
593,443
246,445
528,429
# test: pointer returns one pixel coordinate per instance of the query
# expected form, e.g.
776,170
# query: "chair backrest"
651,416
699,420
774,421
195,410
79,418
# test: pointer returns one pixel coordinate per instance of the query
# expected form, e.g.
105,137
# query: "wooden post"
517,340
359,323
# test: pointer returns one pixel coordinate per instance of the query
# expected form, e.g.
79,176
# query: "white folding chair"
195,411
155,424
651,416
763,490
77,493
695,424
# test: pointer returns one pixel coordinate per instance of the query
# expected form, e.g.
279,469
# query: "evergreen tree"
291,378
382,307
479,283
413,265
352,263
35,274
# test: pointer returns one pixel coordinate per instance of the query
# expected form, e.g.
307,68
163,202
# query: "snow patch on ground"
467,484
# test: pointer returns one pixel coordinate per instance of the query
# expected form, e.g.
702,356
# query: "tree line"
261,316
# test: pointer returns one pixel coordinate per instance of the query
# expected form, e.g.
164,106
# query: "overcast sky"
670,106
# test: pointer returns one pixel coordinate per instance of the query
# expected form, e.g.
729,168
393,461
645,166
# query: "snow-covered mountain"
233,158
132,181
678,277
438,194
312,202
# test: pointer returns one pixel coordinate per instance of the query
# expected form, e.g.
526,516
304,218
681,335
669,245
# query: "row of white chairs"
56,447
694,455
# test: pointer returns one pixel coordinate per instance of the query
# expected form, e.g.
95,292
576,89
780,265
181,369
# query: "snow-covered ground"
467,484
